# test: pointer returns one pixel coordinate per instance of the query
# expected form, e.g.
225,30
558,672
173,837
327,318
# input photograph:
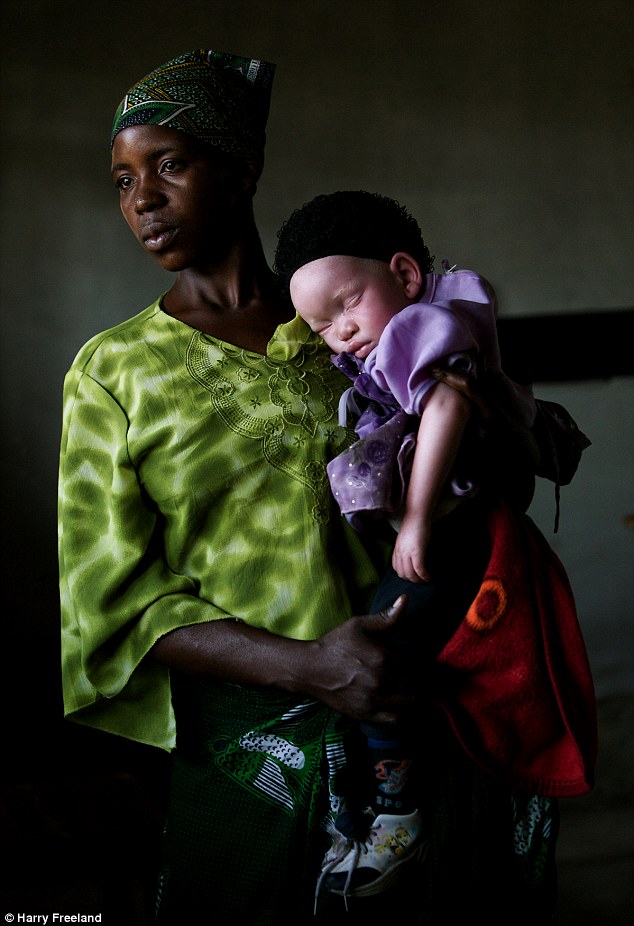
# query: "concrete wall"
505,126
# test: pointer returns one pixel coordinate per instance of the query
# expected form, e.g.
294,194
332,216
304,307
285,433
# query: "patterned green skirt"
256,776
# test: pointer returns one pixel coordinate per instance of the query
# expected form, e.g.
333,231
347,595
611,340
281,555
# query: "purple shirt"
454,323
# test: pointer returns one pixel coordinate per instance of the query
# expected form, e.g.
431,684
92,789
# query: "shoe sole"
386,880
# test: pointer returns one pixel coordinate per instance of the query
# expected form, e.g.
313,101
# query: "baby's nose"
346,329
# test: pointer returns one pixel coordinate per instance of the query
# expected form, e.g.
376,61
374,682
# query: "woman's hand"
354,670
351,669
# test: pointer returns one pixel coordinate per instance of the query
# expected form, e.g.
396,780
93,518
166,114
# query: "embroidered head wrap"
350,223
219,98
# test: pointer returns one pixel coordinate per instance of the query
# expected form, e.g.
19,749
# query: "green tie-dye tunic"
193,487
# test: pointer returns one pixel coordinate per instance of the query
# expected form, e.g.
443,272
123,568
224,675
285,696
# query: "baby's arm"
440,432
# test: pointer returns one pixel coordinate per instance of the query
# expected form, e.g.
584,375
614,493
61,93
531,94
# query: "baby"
361,276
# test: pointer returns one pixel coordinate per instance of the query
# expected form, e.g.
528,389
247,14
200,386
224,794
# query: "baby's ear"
408,271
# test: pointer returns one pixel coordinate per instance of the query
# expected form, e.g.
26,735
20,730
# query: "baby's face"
348,301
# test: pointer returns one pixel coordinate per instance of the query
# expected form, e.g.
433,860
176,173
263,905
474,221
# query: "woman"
206,580
196,530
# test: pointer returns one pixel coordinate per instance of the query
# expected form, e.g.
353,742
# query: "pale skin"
194,215
348,301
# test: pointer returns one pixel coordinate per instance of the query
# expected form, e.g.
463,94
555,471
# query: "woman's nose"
147,196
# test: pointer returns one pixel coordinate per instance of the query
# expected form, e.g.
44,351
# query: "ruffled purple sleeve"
414,341
454,320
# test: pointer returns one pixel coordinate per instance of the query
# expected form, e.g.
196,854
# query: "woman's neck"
237,300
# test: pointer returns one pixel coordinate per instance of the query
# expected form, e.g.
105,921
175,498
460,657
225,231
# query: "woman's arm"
118,592
439,435
350,668
128,618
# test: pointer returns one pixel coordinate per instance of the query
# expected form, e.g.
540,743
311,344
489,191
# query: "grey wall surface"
504,125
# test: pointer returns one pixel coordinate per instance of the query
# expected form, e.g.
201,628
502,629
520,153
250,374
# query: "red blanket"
519,692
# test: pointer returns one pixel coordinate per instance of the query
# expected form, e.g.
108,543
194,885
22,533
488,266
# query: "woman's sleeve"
118,594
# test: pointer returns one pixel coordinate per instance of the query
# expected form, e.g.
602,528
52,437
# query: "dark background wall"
504,125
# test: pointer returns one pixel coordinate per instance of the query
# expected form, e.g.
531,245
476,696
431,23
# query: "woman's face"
180,201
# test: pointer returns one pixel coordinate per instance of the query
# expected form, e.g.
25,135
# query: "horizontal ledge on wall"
571,346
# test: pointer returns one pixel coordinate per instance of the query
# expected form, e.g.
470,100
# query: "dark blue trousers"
457,558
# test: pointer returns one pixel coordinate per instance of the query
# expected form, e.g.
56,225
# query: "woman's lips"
157,235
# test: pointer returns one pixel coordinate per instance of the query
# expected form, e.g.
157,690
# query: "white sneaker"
362,868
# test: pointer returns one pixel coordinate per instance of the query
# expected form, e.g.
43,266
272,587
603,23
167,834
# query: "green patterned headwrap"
218,98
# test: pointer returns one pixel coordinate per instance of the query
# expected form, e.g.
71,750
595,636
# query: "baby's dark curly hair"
351,223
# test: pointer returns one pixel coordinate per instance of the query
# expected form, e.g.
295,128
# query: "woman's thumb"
382,620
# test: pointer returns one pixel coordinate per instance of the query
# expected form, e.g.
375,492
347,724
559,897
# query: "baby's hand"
408,558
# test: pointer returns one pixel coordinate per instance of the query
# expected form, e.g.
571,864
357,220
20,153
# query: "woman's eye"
123,183
171,165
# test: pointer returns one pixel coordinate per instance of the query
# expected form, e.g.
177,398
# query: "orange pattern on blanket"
489,607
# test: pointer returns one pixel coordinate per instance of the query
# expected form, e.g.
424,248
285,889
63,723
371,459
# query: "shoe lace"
342,847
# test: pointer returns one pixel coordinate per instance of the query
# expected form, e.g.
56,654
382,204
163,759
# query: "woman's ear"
242,178
407,270
249,177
